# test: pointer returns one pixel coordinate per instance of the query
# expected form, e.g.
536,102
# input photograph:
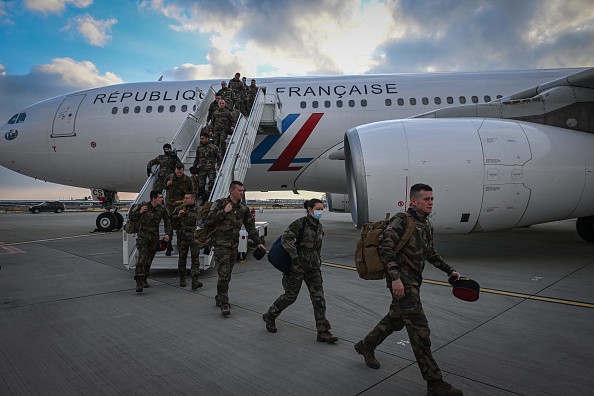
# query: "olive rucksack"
204,230
132,226
367,259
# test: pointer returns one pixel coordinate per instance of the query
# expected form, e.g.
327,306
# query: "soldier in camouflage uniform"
305,266
184,219
238,89
177,185
251,93
208,160
167,162
229,214
226,94
150,215
403,278
213,107
223,124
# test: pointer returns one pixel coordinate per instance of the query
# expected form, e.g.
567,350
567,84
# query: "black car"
48,206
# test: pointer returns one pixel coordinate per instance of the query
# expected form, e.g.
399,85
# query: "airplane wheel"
120,220
585,228
106,221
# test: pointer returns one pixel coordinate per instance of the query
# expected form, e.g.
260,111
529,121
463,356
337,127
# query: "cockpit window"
22,117
13,119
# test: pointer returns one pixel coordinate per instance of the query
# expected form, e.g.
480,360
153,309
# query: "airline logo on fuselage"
289,154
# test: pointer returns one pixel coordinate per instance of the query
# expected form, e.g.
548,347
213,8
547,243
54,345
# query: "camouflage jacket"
180,187
251,92
311,242
409,263
186,224
222,120
150,220
228,95
207,156
236,86
211,109
166,162
229,224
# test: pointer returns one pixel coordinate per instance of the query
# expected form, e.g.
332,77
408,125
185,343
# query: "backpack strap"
300,235
410,228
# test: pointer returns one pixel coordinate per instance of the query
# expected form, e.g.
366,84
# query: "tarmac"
72,324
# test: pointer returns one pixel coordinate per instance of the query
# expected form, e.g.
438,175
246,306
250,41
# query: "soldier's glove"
148,173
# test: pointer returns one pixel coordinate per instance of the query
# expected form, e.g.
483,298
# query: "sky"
53,47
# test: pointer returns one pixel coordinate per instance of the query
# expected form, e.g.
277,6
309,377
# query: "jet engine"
486,174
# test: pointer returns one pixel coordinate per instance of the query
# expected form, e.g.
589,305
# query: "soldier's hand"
166,238
228,208
456,274
397,288
181,213
169,182
143,209
148,173
262,247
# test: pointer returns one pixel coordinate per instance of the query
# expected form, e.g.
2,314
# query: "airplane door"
64,121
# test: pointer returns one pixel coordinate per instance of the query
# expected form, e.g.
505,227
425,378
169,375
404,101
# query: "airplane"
501,149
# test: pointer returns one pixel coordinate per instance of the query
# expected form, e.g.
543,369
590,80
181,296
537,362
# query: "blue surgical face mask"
317,214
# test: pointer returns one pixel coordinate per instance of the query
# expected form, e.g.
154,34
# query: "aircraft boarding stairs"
264,119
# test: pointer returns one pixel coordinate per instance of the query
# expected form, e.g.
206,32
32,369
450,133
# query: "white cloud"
78,74
96,32
2,70
54,6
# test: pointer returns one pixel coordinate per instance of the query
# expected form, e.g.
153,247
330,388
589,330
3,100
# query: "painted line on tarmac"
491,291
48,240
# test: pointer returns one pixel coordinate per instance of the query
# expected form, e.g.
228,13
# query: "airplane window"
172,109
425,101
339,103
388,102
487,98
314,104
137,109
303,104
149,109
437,100
462,99
450,100
126,110
13,119
363,102
474,99
160,109
400,102
114,110
413,102
184,108
327,104
499,96
351,103
22,117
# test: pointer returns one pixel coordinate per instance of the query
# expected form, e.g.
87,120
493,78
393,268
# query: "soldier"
177,185
184,219
251,93
305,266
226,94
229,214
208,160
223,124
167,162
149,215
212,108
403,278
238,89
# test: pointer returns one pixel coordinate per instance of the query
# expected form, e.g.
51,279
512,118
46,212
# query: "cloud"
96,32
54,6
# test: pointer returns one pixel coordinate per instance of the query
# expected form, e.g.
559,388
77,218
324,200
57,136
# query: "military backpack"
367,258
133,226
204,229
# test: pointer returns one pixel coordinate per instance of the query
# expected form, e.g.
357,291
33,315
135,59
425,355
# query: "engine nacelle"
486,174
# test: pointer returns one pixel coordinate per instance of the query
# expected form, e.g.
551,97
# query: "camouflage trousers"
292,285
159,183
146,253
225,261
408,312
219,138
202,175
183,246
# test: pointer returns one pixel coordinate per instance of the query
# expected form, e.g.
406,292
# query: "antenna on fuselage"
160,78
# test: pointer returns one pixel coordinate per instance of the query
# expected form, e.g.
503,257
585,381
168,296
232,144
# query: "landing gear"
585,228
108,221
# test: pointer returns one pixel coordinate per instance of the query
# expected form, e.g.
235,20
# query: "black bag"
278,256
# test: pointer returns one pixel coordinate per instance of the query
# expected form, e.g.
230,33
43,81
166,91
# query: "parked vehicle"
48,206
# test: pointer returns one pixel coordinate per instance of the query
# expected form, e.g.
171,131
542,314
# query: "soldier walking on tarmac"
184,219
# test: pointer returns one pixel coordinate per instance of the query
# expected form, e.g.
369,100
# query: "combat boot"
139,285
145,284
182,280
442,388
368,354
195,282
270,325
225,310
326,336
